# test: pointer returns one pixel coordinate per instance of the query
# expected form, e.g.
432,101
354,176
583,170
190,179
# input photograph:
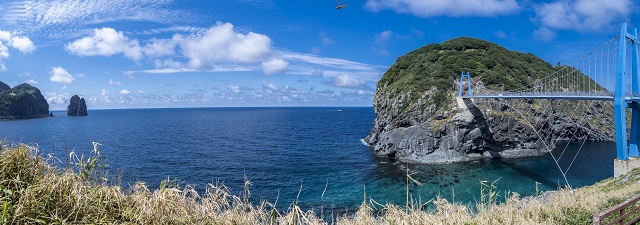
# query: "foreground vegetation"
33,191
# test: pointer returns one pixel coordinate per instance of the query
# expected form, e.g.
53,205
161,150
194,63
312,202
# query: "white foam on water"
364,142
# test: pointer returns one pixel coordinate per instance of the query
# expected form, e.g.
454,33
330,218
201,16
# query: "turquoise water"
283,151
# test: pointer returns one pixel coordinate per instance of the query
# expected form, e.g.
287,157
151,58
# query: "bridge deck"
563,97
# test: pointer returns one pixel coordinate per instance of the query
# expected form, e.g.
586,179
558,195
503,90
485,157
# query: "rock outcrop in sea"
22,102
419,117
77,106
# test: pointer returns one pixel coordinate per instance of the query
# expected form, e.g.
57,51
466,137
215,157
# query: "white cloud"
544,34
325,39
114,83
269,86
330,62
582,15
453,8
222,44
60,75
275,66
316,50
55,98
23,44
129,74
32,82
61,18
160,47
234,89
104,92
317,72
344,80
383,37
499,34
106,42
124,92
379,51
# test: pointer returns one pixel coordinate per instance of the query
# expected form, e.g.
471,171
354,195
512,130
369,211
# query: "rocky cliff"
77,106
22,102
419,117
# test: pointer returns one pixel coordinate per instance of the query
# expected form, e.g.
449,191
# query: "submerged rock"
77,106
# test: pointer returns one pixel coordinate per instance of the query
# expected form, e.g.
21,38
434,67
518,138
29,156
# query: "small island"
22,102
77,107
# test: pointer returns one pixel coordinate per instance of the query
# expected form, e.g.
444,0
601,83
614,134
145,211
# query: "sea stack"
77,106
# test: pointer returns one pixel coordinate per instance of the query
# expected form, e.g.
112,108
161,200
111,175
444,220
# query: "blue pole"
468,79
469,82
461,76
635,111
619,104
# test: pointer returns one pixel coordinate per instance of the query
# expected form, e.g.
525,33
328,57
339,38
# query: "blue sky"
210,53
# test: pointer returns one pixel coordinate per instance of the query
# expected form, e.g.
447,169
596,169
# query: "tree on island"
77,106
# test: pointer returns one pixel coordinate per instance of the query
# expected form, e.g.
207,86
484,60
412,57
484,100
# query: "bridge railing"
621,213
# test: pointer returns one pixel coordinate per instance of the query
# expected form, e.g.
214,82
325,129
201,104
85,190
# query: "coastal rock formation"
77,106
420,119
22,102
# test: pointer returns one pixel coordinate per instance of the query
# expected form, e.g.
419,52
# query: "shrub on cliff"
439,66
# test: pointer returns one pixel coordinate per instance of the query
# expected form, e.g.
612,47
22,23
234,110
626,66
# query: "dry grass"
34,192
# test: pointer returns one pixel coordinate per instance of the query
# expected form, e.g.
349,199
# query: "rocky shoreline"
465,133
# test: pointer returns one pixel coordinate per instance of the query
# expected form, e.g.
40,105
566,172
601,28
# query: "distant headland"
22,102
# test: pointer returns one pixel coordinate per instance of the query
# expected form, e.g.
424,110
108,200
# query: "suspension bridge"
606,76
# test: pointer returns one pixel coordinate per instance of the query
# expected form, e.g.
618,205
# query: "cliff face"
77,106
419,117
22,102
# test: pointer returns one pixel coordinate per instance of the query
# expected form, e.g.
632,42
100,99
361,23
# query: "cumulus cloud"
269,86
105,42
221,43
160,47
125,92
32,82
55,98
275,66
343,80
453,8
582,15
219,48
60,75
234,89
21,43
114,83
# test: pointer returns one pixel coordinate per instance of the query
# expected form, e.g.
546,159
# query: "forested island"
22,102
419,119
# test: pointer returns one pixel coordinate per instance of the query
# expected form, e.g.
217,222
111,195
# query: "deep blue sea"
283,151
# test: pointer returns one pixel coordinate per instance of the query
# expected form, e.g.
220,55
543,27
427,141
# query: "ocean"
314,155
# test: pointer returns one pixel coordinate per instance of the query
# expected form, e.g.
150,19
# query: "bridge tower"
628,156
